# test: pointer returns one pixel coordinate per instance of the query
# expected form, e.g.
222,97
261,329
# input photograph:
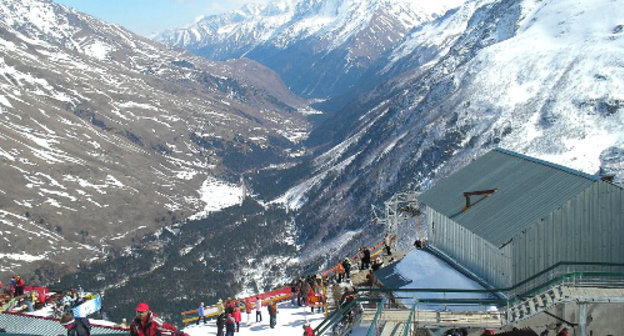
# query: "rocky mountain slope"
107,125
320,48
542,78
106,137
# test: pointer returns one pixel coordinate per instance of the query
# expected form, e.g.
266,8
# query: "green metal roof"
528,189
33,325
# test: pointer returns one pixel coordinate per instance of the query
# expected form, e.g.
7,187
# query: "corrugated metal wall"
588,228
486,261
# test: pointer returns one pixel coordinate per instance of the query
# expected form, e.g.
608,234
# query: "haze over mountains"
107,137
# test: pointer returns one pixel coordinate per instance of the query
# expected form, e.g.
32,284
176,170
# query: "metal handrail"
333,318
567,277
563,277
409,320
377,314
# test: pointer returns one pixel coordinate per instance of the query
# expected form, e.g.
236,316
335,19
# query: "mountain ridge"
107,137
292,37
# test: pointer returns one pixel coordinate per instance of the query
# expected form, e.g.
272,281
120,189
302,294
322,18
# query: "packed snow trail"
290,321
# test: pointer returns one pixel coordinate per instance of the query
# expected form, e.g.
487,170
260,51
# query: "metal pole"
582,318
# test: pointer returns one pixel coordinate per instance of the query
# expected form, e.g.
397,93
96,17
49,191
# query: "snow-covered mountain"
106,137
107,131
543,78
321,48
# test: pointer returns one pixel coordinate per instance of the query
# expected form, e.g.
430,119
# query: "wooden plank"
566,291
557,294
532,306
388,328
540,302
549,299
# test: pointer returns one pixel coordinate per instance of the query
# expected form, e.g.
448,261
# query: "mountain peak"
288,35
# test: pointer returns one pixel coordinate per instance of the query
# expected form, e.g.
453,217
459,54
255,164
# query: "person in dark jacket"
366,258
346,263
372,279
230,325
75,327
220,324
293,291
272,308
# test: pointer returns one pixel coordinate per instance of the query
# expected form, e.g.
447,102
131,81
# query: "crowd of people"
309,291
16,298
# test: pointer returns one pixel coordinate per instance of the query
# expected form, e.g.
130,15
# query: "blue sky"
146,17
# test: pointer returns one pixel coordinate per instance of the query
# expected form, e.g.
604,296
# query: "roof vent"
467,195
607,178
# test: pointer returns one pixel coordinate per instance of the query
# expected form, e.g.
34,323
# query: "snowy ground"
290,320
421,269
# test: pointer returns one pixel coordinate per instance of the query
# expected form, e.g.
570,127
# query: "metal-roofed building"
516,221
14,323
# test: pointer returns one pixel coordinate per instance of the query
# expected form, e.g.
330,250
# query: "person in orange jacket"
311,299
341,271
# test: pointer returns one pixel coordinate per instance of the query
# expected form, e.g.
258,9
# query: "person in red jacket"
230,325
237,318
147,323
248,310
307,330
19,285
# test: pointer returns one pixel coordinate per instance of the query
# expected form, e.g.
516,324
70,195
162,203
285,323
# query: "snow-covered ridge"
320,47
285,22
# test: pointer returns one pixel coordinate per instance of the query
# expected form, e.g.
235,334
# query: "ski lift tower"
399,203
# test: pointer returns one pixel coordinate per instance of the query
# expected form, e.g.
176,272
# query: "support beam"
582,318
